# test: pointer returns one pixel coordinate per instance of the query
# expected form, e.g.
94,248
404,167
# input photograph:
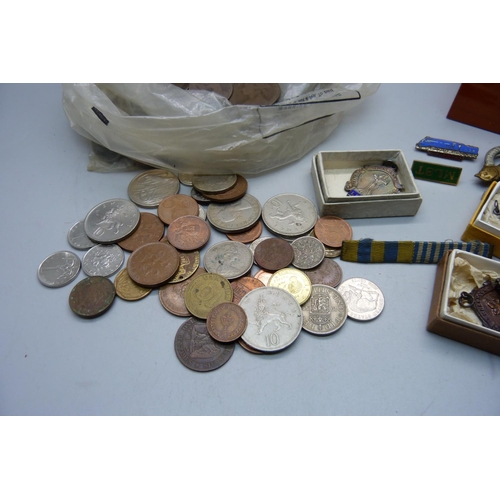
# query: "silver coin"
199,197
274,319
230,259
77,237
102,260
202,214
149,188
214,183
325,311
289,214
308,252
59,269
364,299
112,220
235,216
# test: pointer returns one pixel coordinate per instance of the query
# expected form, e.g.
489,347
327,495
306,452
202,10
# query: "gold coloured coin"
205,292
294,282
128,289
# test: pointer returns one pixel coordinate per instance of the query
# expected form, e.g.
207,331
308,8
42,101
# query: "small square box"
332,169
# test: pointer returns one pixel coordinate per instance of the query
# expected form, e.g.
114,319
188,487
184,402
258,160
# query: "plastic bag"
164,126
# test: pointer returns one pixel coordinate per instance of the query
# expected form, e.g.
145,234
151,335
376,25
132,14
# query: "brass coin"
227,322
175,206
243,285
153,264
247,236
205,292
189,263
327,273
263,276
258,94
232,194
128,289
273,254
332,230
188,232
92,296
294,281
149,230
223,89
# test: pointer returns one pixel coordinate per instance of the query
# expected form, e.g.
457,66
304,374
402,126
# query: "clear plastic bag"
164,126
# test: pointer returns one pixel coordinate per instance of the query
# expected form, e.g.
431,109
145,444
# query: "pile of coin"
294,289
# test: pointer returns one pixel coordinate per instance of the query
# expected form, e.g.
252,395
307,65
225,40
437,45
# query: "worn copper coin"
188,232
223,89
247,236
127,289
332,230
197,350
172,295
205,292
232,194
189,262
153,264
227,322
273,254
149,230
258,94
248,348
92,296
243,285
175,206
327,273
263,276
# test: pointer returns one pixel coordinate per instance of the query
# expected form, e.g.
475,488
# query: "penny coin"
197,350
59,269
254,244
149,188
263,276
188,232
273,254
112,220
332,230
248,348
77,237
325,311
232,194
330,252
236,216
92,296
257,94
230,259
102,260
243,285
153,264
247,236
205,292
223,89
274,319
149,230
175,206
364,299
308,252
213,183
327,273
226,322
188,264
128,289
294,281
172,295
186,179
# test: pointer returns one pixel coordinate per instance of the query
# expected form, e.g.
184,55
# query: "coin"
153,264
274,319
92,296
213,183
149,188
202,213
59,269
223,89
186,179
258,94
325,311
196,195
176,205
273,254
236,216
128,289
332,230
172,295
327,273
149,230
230,259
294,281
289,214
102,260
226,322
188,264
243,285
188,232
254,244
205,292
197,350
247,236
248,348
330,252
77,237
308,252
232,194
364,299
263,276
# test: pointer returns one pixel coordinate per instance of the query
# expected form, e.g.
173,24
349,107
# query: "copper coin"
227,322
263,276
248,348
172,295
188,232
258,94
149,230
273,254
175,206
223,89
327,273
235,193
153,264
243,285
332,230
92,296
247,236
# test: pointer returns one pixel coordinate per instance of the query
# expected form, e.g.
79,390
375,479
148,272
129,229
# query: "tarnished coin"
102,260
213,183
77,237
188,232
92,296
308,252
274,319
236,216
294,281
149,188
223,89
197,350
273,254
364,299
186,179
128,289
153,264
325,311
243,285
172,295
232,194
327,273
112,220
230,259
289,214
149,230
196,195
254,244
226,322
59,269
175,206
188,264
332,230
247,236
257,94
248,348
263,276
205,292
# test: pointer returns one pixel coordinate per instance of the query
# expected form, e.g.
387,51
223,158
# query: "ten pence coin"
128,289
189,232
59,269
149,230
205,292
92,296
294,281
364,299
226,322
256,94
273,254
332,230
175,206
149,188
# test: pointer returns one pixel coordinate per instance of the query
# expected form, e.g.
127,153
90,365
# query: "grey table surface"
123,363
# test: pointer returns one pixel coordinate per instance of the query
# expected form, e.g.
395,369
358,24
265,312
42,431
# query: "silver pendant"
374,180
